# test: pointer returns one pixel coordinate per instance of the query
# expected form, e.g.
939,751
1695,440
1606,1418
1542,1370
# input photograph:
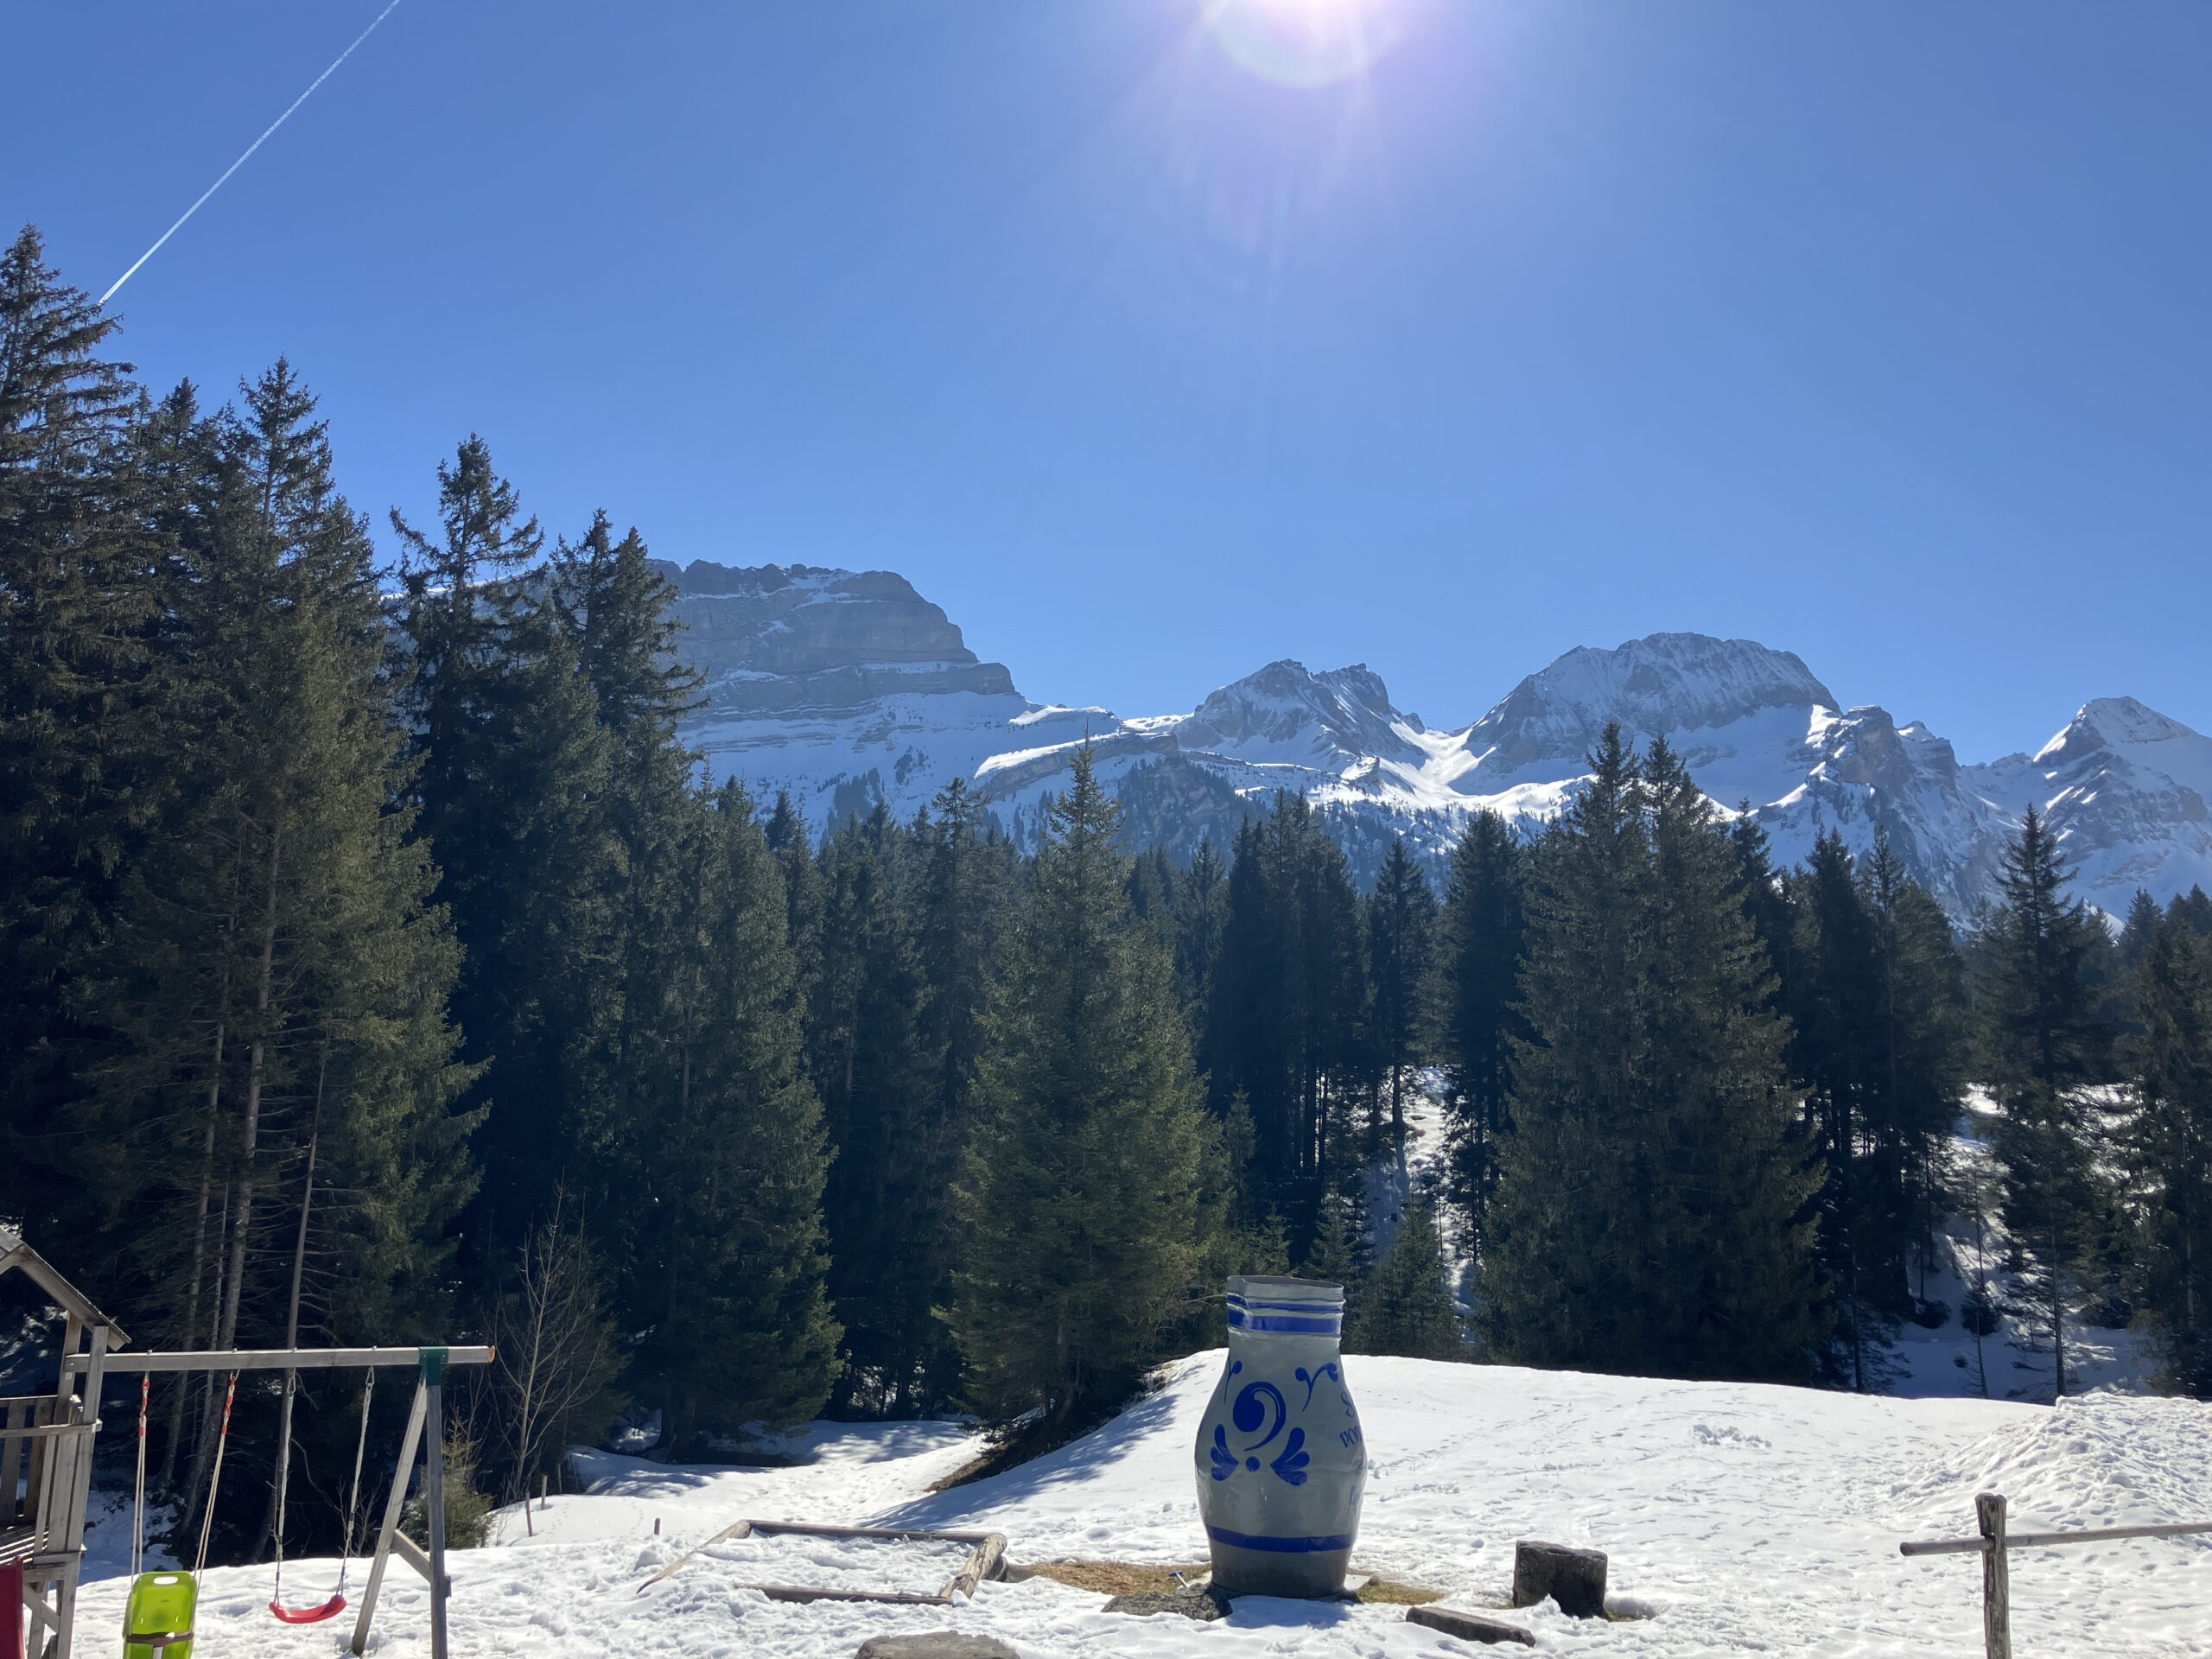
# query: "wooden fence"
1993,1543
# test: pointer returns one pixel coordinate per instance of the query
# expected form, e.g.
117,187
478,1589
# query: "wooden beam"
735,1529
390,1530
17,1256
2053,1540
801,1592
434,1501
413,1554
280,1359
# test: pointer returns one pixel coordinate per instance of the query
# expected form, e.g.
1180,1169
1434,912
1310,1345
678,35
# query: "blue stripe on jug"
1280,1546
1332,1305
1316,1324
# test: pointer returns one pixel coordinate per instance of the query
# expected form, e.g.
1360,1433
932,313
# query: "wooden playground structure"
46,1462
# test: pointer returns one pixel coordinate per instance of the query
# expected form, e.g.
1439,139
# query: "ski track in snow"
1747,1519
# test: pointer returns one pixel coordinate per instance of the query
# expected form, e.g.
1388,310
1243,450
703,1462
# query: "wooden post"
1996,1608
433,1492
393,1506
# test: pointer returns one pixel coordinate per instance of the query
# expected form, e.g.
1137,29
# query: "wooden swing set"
46,1469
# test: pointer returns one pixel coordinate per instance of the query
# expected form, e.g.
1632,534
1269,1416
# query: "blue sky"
1154,345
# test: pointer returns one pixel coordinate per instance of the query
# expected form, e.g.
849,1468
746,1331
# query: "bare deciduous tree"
557,1358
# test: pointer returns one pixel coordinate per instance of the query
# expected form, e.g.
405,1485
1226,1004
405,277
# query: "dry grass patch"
1147,1578
1390,1592
1113,1577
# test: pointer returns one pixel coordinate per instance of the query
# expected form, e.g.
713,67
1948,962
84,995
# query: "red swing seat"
329,1609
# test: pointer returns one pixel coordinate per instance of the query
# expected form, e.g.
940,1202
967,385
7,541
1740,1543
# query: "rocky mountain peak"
2112,723
1286,711
778,639
1661,683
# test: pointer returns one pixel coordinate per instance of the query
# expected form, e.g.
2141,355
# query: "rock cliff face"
777,640
848,687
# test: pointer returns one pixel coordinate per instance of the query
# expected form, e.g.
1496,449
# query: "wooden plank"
735,1529
280,1359
1996,1601
2055,1539
897,1533
414,1554
800,1592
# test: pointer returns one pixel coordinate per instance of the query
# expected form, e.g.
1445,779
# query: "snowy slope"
1737,1518
846,689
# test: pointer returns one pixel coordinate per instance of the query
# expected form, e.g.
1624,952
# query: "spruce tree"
1917,1077
1831,999
516,782
1766,898
1740,1273
2193,910
1473,995
1401,919
277,979
1560,1249
729,1278
85,713
2168,1147
1289,1009
966,888
2042,1044
1404,1305
1200,910
1338,1254
1082,1193
881,1095
1646,1218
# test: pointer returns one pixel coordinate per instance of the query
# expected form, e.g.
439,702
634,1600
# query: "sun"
1306,43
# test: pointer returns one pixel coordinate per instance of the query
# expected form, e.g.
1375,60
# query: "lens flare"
1306,43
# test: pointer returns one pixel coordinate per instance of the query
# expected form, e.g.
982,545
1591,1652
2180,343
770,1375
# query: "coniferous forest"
379,968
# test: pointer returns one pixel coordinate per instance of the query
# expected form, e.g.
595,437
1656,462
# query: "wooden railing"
1993,1543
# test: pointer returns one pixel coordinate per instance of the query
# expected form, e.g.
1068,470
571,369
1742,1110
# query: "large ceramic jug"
1280,1461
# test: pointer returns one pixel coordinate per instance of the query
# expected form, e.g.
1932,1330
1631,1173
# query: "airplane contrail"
250,148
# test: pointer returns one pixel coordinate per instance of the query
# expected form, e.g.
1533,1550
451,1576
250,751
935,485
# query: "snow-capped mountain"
848,687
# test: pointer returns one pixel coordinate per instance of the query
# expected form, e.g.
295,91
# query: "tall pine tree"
2042,1044
1086,1230
1474,994
2169,1149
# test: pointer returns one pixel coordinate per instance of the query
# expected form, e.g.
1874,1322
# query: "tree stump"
1574,1578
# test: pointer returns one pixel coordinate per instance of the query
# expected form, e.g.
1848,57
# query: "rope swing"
330,1609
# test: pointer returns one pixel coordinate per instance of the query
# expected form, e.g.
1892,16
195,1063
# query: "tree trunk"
203,1451
2057,1320
272,1524
226,1332
199,1256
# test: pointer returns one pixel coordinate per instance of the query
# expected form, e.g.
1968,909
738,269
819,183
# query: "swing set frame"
425,1435
46,1459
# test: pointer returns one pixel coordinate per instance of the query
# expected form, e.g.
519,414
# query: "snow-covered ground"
1740,1518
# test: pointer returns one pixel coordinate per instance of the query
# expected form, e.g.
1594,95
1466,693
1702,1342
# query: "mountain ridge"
845,689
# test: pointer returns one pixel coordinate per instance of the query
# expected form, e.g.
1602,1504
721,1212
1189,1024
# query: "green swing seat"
157,1623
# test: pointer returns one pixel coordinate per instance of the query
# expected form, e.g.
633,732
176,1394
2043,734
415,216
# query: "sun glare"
1306,43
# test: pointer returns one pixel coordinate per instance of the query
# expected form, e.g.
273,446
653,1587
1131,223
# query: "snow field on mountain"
1738,1519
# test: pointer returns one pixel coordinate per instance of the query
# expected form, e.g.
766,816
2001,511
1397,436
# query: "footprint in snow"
1706,1434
